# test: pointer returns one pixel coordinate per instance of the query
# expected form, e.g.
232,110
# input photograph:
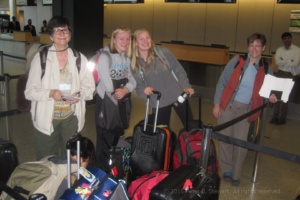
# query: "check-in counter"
215,55
13,47
203,64
45,38
23,36
14,59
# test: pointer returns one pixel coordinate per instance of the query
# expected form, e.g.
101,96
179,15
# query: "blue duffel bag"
95,184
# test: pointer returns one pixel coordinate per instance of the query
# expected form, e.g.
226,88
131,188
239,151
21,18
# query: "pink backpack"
140,188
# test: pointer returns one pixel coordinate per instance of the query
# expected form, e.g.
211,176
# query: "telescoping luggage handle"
156,112
75,138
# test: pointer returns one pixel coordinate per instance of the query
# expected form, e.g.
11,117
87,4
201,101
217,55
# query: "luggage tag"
90,177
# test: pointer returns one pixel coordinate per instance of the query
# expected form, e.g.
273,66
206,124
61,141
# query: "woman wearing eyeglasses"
58,93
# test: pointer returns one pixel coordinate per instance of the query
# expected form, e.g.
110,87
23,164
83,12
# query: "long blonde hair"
135,65
114,34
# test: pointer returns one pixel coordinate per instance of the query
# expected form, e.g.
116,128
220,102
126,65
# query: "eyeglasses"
255,46
58,31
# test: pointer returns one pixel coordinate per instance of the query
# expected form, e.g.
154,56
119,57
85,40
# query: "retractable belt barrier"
235,120
4,78
256,147
250,145
9,112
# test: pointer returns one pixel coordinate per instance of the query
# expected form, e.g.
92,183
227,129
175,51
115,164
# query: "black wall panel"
86,18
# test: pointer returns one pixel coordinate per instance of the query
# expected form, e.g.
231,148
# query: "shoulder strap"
107,54
78,59
43,58
244,57
99,52
266,65
158,51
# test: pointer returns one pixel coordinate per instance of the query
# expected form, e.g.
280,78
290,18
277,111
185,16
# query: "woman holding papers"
237,93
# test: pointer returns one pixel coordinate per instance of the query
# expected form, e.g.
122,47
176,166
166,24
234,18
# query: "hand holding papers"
278,86
69,97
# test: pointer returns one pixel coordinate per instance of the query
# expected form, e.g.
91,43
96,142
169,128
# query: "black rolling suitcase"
8,159
190,181
152,147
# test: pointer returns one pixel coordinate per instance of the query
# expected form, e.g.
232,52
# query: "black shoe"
274,120
235,182
280,122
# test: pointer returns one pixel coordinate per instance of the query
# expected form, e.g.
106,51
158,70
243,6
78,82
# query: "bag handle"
156,112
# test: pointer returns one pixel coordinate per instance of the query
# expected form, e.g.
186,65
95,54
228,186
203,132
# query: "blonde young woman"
116,81
152,73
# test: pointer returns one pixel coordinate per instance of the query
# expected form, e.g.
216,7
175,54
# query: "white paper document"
278,84
69,97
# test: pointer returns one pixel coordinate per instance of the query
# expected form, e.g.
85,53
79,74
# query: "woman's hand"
273,98
191,91
216,111
121,92
56,95
75,100
148,90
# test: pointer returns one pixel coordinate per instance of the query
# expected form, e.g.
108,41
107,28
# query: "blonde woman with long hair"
116,82
156,68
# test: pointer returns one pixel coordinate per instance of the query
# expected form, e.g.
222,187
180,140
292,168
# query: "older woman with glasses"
59,92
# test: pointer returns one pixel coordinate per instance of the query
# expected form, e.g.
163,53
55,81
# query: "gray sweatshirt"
161,79
119,69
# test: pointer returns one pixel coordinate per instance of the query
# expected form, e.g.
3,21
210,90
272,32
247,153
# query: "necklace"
59,50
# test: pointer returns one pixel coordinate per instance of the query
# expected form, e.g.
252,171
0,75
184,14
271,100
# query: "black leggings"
105,140
164,113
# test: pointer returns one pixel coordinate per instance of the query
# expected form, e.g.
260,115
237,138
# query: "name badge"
64,86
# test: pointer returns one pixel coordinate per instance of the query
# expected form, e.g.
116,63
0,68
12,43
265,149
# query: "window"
47,2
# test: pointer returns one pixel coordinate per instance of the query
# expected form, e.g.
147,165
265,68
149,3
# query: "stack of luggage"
153,164
45,178
162,170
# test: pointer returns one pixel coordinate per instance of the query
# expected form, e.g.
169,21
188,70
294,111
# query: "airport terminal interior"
275,179
264,176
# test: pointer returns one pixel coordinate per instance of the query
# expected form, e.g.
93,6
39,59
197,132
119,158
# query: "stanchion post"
207,132
1,63
6,104
259,140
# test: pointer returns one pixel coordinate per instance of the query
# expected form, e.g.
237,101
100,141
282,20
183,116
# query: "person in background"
1,25
14,25
152,73
237,92
44,28
30,28
55,117
287,57
116,82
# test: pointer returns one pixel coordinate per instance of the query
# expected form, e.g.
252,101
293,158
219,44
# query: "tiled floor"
277,179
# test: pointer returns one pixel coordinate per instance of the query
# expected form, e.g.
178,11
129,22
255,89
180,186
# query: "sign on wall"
21,2
295,21
47,2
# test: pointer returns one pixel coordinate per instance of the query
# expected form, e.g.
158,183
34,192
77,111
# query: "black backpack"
24,105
